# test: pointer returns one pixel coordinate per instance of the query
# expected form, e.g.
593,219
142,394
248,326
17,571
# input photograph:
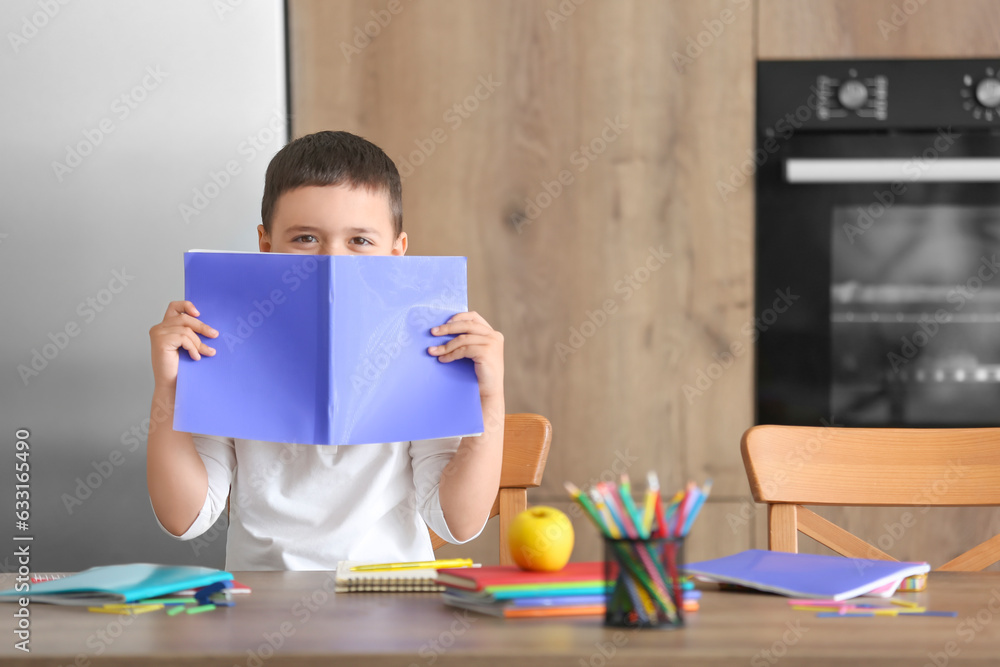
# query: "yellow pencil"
415,565
649,511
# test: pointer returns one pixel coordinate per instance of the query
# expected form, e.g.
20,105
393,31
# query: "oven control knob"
988,92
852,94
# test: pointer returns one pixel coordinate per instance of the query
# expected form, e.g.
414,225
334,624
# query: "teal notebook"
118,583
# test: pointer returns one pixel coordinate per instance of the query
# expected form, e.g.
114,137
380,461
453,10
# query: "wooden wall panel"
878,29
543,266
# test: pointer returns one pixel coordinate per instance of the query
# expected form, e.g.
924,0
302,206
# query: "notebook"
118,583
385,581
338,344
494,578
807,575
571,605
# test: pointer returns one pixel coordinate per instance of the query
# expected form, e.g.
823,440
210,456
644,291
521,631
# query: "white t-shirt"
305,507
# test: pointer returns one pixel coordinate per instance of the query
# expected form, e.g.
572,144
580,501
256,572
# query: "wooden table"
291,618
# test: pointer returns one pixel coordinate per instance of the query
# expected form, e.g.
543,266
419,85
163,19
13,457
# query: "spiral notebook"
385,581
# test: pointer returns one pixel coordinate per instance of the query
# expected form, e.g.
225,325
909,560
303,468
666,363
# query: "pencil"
651,503
588,507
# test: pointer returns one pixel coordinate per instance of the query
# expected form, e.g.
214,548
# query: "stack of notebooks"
506,590
132,588
578,589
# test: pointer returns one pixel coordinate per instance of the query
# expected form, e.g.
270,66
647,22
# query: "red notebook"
479,578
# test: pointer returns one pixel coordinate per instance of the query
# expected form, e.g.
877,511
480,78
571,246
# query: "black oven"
878,218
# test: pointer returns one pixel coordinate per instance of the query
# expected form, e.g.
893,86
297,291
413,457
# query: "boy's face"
332,220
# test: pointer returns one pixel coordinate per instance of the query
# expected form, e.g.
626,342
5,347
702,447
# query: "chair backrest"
791,466
526,440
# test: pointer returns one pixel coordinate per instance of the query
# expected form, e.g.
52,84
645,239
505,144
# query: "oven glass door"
890,246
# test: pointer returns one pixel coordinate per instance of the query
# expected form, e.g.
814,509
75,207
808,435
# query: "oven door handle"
887,170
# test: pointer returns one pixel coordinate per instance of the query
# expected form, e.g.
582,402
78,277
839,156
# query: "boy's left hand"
474,339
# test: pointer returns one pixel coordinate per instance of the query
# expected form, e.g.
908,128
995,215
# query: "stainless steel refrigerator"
129,133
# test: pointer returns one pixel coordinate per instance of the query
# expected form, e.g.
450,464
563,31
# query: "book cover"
807,575
492,577
320,349
118,583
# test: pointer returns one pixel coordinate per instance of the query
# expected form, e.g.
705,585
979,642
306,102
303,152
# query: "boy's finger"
457,342
199,326
181,307
465,352
471,316
462,326
200,344
191,347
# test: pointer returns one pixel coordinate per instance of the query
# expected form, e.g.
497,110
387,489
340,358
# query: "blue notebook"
326,350
109,584
807,575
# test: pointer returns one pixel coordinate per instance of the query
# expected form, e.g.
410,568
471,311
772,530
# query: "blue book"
110,584
326,350
807,575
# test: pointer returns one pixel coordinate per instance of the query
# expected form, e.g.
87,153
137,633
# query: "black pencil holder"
643,585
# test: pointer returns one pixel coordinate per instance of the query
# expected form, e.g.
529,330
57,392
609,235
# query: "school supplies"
118,584
416,565
612,509
338,344
572,605
349,580
577,590
642,548
807,575
508,591
494,577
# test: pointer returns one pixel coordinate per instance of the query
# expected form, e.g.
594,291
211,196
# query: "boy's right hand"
179,328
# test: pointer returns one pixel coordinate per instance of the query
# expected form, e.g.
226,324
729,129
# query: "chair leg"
782,528
512,502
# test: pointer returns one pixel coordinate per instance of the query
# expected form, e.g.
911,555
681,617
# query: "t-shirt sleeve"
219,456
429,459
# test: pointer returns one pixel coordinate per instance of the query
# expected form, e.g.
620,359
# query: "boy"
304,507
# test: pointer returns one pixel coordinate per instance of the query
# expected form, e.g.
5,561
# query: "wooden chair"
526,442
792,466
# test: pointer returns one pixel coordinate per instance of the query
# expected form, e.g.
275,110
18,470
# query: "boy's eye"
361,240
305,238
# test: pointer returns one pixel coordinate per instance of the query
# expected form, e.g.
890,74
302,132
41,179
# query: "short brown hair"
332,158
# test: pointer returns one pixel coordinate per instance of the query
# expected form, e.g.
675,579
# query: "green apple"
541,538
